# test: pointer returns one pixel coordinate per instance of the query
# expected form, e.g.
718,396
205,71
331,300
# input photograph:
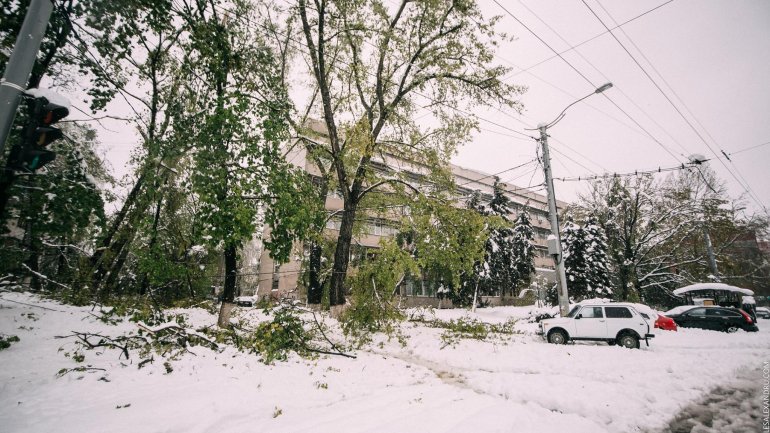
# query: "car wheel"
629,341
557,337
731,328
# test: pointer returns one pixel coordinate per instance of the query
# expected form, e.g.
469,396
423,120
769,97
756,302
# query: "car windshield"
573,311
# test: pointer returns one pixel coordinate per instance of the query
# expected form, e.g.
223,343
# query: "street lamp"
554,241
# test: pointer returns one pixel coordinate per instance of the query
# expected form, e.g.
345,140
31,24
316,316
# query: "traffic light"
38,134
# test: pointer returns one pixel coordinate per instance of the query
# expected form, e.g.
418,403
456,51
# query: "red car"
665,323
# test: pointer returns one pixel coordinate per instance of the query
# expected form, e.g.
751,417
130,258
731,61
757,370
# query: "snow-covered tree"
655,229
502,276
585,259
522,250
597,259
574,249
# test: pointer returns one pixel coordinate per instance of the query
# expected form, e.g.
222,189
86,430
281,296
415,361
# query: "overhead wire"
747,149
746,187
582,75
604,76
630,173
497,174
572,47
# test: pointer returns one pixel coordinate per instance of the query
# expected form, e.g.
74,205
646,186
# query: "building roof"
711,286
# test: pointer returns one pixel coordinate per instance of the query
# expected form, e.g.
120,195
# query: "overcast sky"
714,55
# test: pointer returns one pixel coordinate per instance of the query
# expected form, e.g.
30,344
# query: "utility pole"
554,241
554,218
19,66
710,251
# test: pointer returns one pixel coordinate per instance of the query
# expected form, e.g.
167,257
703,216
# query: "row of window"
374,227
611,313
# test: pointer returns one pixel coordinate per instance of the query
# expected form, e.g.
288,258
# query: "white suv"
614,323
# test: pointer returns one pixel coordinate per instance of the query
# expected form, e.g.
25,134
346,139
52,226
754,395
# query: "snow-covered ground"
516,383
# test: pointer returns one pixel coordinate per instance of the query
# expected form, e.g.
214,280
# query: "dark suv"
715,318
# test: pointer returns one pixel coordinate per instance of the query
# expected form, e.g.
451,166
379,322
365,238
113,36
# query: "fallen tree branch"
338,351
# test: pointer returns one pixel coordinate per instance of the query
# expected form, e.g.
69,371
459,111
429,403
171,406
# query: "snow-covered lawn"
516,383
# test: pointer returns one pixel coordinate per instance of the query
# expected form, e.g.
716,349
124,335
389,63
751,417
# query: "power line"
746,187
588,81
604,76
628,174
567,156
617,26
498,173
748,148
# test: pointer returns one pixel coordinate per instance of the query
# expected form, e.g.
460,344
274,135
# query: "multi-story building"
278,281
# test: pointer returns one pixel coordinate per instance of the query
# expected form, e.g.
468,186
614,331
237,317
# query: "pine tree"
499,249
574,246
522,249
597,259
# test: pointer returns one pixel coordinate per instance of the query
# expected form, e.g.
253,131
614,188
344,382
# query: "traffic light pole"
553,217
15,77
20,64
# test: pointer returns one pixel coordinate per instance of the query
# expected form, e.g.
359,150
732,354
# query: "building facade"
284,280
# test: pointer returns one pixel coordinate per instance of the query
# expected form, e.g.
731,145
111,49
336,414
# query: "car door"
733,318
695,318
590,323
618,318
718,319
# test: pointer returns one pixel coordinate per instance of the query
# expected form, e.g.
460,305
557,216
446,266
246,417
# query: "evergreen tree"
574,246
522,250
480,278
499,249
597,259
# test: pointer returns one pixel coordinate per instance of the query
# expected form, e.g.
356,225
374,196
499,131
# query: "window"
591,313
276,277
573,311
334,223
717,312
618,313
697,312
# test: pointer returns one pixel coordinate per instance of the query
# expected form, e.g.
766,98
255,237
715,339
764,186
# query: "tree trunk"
97,259
228,295
33,262
315,286
114,272
153,240
342,256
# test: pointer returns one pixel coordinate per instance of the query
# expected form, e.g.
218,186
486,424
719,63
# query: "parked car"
660,321
614,323
245,301
763,312
716,319
665,323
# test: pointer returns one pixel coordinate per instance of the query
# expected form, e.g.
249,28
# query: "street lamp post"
552,213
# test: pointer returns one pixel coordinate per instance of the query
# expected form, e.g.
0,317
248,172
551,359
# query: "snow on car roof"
679,310
641,308
712,286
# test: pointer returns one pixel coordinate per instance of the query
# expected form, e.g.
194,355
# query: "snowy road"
513,384
734,407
